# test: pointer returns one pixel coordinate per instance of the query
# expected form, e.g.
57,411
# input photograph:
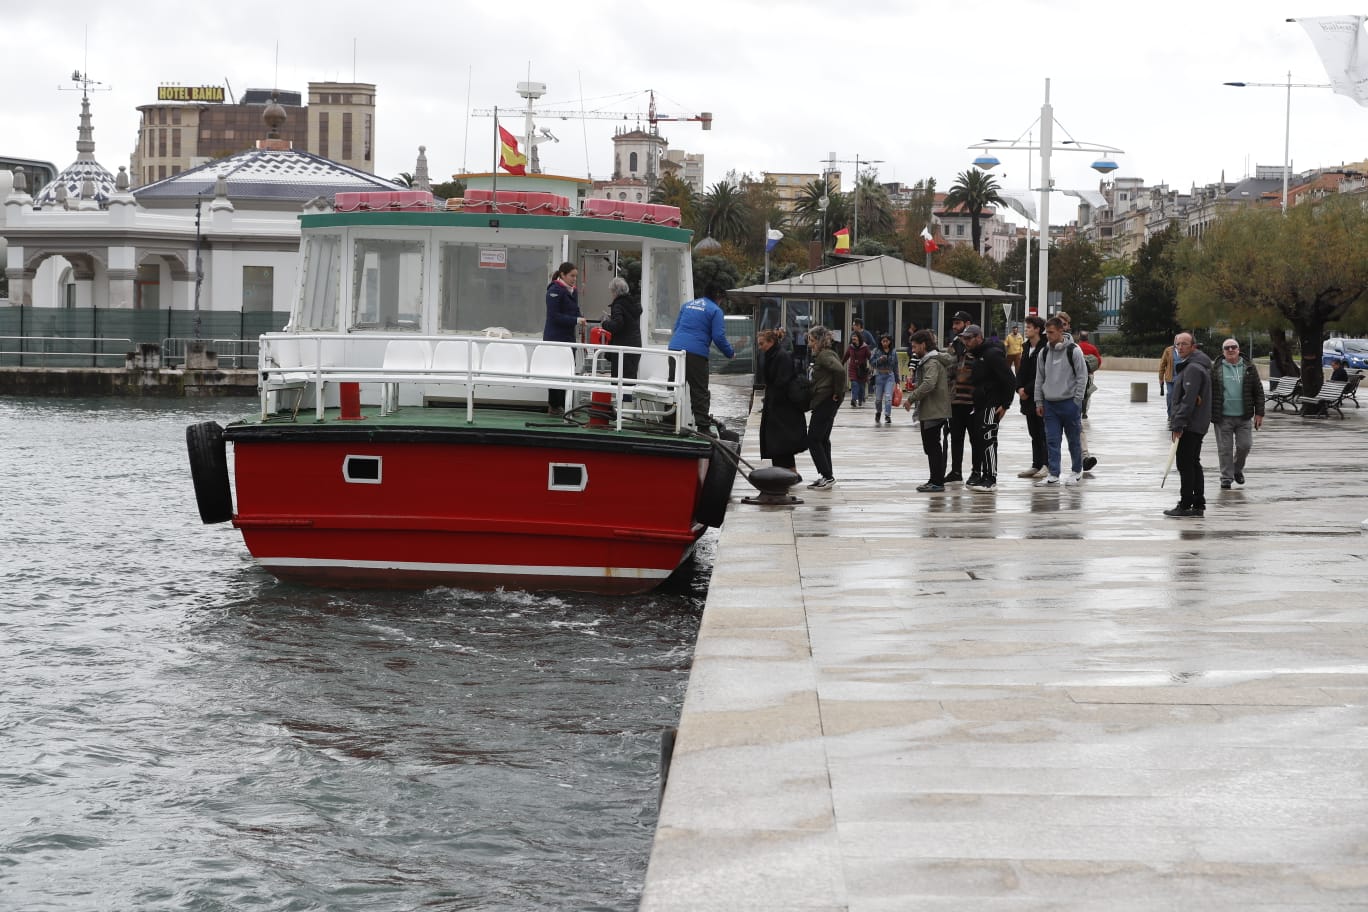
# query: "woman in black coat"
783,425
624,322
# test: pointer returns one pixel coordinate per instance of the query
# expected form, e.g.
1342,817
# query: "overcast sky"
912,83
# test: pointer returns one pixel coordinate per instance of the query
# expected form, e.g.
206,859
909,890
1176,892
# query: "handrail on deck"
279,367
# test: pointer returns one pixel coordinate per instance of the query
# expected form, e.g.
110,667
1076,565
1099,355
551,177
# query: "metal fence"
232,353
64,351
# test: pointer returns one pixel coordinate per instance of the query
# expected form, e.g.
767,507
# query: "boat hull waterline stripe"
468,569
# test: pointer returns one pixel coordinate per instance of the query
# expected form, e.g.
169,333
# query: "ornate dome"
74,176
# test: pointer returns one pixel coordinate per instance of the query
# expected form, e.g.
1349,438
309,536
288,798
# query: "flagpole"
494,183
766,251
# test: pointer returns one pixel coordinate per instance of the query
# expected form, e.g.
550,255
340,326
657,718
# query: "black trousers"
985,444
696,375
1035,425
960,418
819,436
933,445
1191,484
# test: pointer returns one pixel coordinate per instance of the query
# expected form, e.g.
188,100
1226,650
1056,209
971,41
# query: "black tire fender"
209,471
717,484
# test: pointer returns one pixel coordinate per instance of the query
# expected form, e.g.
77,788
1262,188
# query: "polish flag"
928,241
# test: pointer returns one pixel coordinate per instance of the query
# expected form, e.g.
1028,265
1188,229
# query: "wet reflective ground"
1034,699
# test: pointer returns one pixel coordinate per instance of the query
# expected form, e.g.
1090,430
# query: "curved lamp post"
1045,147
1287,122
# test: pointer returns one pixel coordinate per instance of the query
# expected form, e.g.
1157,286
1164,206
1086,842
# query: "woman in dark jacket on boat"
562,318
624,323
783,426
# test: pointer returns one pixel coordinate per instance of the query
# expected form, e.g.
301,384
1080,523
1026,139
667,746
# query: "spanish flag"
843,240
510,159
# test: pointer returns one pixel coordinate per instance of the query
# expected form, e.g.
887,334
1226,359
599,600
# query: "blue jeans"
883,392
1063,418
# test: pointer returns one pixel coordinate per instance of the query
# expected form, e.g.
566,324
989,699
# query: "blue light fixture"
987,162
1105,165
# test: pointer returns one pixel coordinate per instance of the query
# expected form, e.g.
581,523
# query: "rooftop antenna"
465,146
353,60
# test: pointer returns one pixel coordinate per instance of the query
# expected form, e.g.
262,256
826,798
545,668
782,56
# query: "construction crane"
534,90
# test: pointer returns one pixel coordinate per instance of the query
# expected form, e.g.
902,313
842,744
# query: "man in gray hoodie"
1190,419
1061,380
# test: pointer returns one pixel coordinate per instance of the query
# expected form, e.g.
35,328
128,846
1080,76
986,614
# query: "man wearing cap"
961,397
994,388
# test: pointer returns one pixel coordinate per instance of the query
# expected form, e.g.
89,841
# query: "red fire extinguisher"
600,403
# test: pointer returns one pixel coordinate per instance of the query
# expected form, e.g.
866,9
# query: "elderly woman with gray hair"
623,320
829,385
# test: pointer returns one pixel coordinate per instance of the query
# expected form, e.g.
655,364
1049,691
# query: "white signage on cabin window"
493,257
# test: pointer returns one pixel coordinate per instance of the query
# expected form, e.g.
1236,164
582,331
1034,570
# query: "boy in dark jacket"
1189,422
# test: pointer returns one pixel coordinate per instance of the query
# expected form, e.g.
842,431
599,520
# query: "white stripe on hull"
469,569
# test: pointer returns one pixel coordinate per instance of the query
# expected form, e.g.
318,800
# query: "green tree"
974,190
1259,268
963,262
724,272
723,214
762,208
449,189
875,209
1076,272
807,217
403,179
671,191
1011,272
916,215
1149,315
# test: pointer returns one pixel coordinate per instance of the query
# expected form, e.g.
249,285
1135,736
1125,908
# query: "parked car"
1354,352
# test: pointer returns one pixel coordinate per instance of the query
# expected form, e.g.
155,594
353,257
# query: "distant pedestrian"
1025,376
994,388
783,423
1093,358
884,364
1061,381
1189,423
1013,345
1237,410
699,326
856,360
828,389
930,393
1166,377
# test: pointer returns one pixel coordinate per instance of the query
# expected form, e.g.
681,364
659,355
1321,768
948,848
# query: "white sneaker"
1049,481
1074,479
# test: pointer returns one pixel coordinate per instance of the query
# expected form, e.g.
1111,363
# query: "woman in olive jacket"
783,426
829,384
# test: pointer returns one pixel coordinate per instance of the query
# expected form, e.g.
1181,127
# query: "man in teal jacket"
698,327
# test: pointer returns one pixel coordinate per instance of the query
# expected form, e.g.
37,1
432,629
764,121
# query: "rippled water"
180,731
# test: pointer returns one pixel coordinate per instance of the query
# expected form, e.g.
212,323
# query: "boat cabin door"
596,270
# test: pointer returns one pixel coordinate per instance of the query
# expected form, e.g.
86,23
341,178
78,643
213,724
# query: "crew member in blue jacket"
699,326
562,319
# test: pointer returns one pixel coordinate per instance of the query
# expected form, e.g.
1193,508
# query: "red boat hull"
469,514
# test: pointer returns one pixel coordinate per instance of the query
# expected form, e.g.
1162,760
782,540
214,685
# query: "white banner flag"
1338,41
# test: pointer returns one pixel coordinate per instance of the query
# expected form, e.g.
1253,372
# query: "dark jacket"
562,312
1026,373
783,427
994,385
1251,389
624,321
1192,395
829,379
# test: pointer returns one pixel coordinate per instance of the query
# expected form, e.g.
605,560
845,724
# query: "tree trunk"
1310,335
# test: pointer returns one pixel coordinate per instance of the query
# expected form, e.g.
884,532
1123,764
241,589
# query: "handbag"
897,396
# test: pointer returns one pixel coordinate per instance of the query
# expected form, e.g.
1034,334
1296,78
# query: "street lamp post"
1287,122
857,161
1045,147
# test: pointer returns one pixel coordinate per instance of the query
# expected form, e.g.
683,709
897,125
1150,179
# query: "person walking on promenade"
930,393
994,387
1093,358
1237,410
961,396
859,329
884,363
783,425
1025,376
1013,344
562,319
1089,460
856,360
1061,381
1166,377
699,326
1188,424
828,389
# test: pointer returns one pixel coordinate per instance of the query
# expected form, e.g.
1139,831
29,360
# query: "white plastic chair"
552,361
410,356
504,358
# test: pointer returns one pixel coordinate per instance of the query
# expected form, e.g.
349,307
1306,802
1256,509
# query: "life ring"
209,471
717,484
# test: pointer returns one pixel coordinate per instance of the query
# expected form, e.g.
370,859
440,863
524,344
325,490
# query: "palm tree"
671,191
876,211
404,179
723,214
807,211
974,190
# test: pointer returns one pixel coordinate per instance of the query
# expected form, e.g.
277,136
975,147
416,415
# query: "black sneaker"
1239,478
953,476
974,479
930,488
877,417
1225,486
822,484
1089,461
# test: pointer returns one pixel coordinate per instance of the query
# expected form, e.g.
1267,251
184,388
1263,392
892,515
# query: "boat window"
485,285
567,476
322,280
667,290
387,284
361,469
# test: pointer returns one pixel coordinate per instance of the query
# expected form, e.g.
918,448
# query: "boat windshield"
485,285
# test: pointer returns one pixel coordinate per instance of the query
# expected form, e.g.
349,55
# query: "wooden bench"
1331,396
1286,392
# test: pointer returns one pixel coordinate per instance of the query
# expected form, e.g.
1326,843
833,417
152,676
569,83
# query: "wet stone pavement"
1034,699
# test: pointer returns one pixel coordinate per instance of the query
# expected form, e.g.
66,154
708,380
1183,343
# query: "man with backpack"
1061,381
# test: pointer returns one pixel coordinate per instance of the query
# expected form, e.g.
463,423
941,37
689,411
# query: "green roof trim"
556,223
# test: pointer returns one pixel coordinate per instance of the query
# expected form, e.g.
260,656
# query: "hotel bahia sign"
212,94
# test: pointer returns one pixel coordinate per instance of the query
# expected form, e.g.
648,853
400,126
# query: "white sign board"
493,257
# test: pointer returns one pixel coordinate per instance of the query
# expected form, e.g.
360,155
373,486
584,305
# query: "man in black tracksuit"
961,398
994,388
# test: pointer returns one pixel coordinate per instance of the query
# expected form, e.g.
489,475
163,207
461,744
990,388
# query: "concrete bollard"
1139,392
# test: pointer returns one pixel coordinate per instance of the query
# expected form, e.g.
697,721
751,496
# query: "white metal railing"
237,351
49,353
314,360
